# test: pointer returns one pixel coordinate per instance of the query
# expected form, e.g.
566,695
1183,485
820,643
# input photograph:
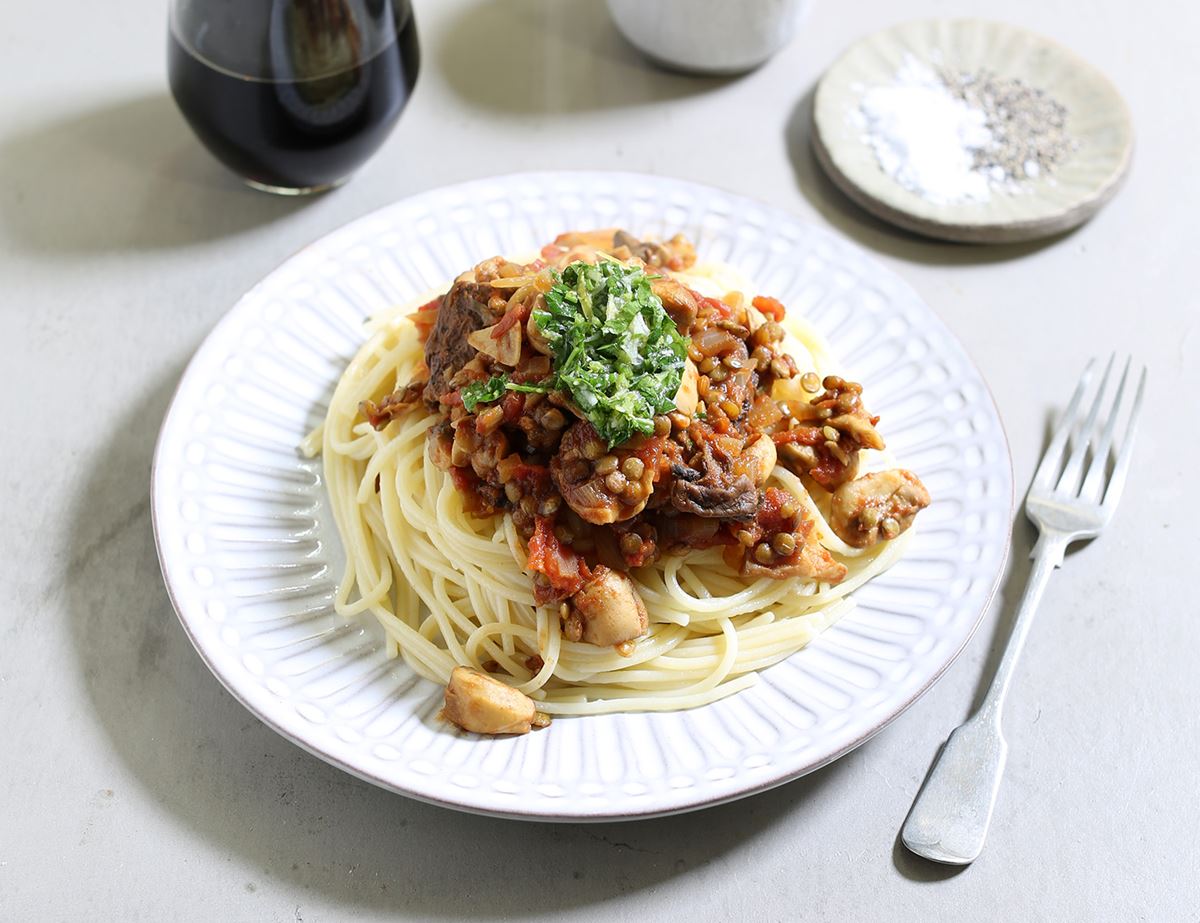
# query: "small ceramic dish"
1097,118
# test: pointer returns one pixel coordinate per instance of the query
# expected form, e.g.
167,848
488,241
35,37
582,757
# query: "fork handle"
950,817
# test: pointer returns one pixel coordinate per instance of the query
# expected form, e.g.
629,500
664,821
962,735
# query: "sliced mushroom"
649,252
809,559
598,483
877,506
506,349
812,561
754,318
533,333
477,702
676,253
757,460
465,442
709,486
489,269
816,563
834,427
858,426
610,609
687,397
440,439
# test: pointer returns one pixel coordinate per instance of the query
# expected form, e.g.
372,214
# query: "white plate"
250,552
1097,118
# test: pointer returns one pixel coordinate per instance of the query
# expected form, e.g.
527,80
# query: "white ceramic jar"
707,36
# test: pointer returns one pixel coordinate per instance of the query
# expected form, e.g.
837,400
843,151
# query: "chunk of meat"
392,405
464,310
604,485
609,609
877,507
477,702
710,488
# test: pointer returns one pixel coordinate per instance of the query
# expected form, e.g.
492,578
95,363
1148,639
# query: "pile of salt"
951,138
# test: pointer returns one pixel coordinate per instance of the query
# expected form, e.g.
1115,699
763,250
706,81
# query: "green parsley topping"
616,351
482,392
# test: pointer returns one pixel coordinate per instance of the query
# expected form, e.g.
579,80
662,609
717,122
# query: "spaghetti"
450,588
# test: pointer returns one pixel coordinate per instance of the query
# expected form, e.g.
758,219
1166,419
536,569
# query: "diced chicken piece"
877,506
609,609
477,702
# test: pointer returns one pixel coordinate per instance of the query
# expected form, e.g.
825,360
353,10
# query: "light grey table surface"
133,787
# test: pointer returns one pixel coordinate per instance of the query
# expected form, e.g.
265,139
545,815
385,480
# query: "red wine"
297,101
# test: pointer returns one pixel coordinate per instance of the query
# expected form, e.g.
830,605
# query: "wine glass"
292,95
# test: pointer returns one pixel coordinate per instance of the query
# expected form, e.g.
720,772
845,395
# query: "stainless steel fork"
949,819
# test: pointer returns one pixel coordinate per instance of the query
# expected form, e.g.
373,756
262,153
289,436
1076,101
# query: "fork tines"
1091,442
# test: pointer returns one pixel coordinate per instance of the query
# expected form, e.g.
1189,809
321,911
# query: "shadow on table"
872,232
129,175
243,790
548,56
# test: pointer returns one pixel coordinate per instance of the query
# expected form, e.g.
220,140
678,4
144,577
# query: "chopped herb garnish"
616,351
482,392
